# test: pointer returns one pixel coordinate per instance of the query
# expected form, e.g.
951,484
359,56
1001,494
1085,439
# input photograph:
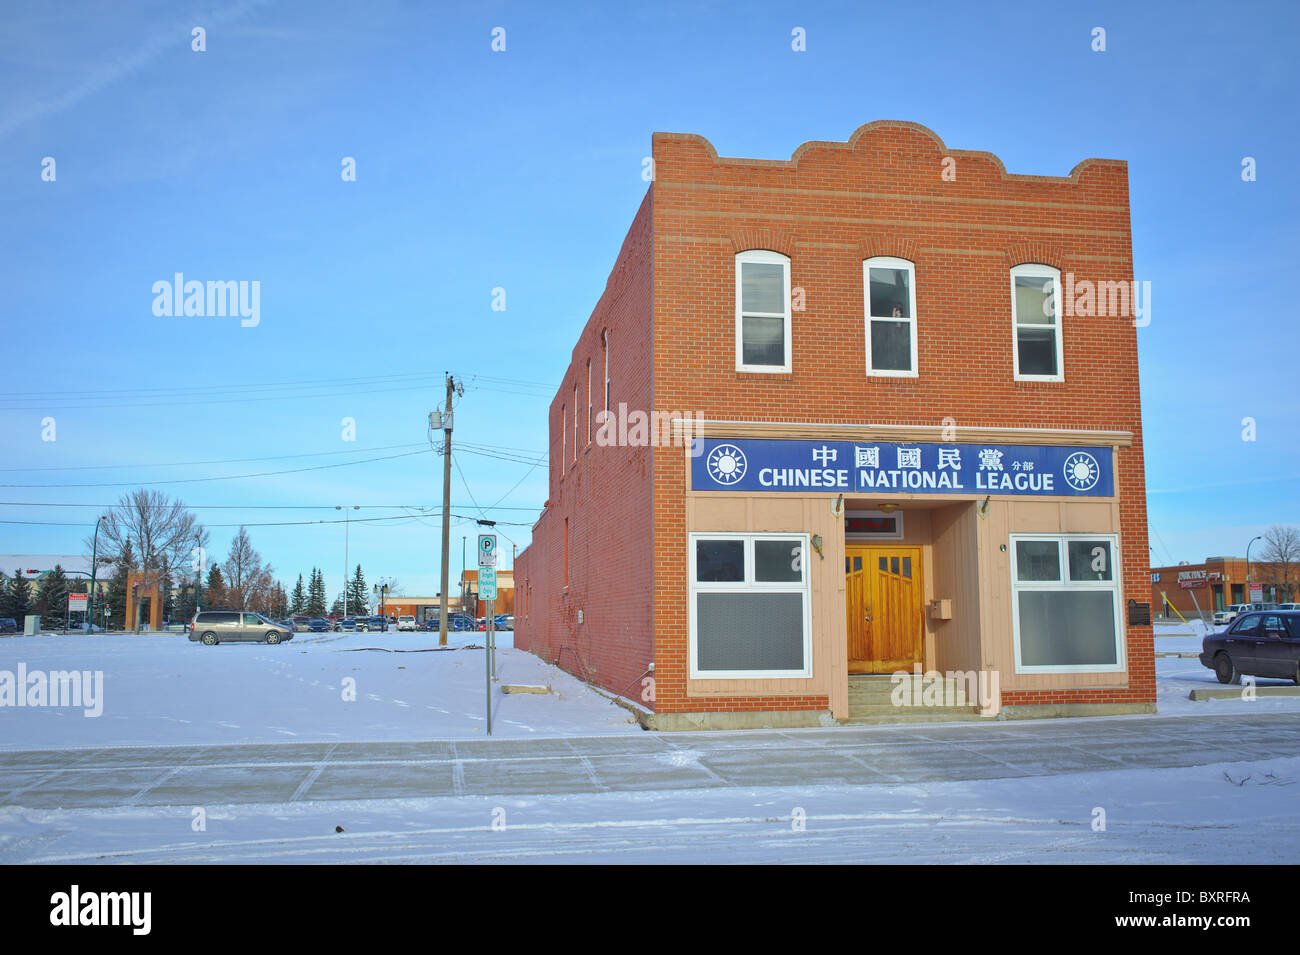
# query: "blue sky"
522,170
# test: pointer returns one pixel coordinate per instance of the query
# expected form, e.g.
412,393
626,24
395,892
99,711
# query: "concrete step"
887,710
878,691
914,716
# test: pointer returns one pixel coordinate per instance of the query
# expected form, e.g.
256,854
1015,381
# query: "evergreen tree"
169,599
52,602
214,591
358,595
117,590
16,601
299,601
279,602
316,594
184,604
337,609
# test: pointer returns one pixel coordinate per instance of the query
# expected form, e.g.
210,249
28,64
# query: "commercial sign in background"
877,467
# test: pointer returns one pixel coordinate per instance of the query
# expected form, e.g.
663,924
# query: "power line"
251,507
179,464
227,477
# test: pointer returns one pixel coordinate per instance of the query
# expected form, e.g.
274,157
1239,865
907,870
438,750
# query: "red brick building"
871,409
1218,582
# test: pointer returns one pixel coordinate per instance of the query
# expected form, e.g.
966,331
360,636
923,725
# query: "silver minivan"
235,626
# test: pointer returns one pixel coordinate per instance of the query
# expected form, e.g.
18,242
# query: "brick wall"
828,208
605,495
669,308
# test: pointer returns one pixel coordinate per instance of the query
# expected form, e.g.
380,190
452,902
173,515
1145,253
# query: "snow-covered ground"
162,688
162,691
1218,814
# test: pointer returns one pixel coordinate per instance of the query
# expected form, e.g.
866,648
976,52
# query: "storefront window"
1066,604
749,606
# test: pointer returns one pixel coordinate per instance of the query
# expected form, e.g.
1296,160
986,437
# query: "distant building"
1217,582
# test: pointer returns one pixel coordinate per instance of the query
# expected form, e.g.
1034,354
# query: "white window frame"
762,257
564,439
865,512
1038,270
589,408
604,340
1115,586
749,585
889,262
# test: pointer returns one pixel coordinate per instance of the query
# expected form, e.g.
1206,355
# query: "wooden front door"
883,587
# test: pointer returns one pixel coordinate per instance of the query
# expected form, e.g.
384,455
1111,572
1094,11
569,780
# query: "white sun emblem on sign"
1081,471
727,464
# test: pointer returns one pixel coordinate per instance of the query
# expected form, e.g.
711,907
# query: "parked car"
232,626
505,621
318,625
346,623
461,622
1264,644
8,625
1288,607
300,622
1228,614
378,624
405,622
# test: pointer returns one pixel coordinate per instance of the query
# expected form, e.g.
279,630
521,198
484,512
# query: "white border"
749,585
1114,586
889,262
763,257
1038,270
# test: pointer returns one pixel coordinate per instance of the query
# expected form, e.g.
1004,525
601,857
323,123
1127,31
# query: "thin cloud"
105,75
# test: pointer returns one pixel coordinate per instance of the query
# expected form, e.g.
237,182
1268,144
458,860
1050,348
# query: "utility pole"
444,421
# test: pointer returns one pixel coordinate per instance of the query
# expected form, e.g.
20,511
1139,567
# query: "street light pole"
1257,537
94,558
346,526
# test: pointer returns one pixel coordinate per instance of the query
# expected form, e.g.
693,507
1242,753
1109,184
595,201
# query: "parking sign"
487,550
487,583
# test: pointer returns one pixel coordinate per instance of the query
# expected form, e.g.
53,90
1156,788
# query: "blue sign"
878,467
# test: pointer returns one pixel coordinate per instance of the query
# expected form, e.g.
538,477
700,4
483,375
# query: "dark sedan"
317,625
1256,644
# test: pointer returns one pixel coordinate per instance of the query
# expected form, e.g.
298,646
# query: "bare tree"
162,531
1279,558
248,580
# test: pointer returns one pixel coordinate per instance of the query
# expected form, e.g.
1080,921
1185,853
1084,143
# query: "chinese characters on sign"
854,467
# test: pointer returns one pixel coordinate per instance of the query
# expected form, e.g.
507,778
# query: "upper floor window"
890,286
762,311
564,439
1036,323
